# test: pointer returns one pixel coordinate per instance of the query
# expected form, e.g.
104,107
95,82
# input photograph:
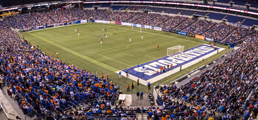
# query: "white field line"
175,70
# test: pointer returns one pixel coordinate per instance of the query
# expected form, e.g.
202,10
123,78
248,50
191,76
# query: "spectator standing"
132,84
141,95
138,94
138,82
149,85
128,87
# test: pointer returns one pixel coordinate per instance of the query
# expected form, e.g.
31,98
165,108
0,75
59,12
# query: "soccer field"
116,53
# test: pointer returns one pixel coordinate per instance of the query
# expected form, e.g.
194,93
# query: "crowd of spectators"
200,27
219,31
45,86
238,34
229,88
43,18
13,21
27,21
185,24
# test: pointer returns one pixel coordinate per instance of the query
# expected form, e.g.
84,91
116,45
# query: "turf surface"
116,52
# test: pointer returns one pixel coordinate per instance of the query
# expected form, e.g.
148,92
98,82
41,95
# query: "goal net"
174,50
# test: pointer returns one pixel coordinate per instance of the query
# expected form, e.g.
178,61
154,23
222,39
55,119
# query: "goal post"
174,50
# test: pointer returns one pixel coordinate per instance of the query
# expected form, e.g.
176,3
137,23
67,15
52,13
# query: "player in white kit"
78,34
142,37
130,40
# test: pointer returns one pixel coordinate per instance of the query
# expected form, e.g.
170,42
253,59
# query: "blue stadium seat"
173,11
116,7
97,4
87,5
187,12
234,19
159,9
236,2
253,4
216,16
223,1
105,5
201,13
250,22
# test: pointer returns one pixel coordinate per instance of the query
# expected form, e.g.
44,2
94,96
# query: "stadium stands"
201,13
173,11
250,22
187,12
137,7
159,9
43,85
219,31
105,5
87,5
200,27
228,88
234,19
216,16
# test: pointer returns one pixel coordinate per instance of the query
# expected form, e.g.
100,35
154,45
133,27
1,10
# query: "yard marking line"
114,59
159,34
79,54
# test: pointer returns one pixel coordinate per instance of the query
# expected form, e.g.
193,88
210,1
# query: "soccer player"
114,32
130,40
102,29
140,31
132,28
126,37
143,68
105,29
78,30
158,47
120,74
101,41
106,36
75,30
78,34
126,74
142,37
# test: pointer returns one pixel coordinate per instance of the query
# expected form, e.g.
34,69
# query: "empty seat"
216,16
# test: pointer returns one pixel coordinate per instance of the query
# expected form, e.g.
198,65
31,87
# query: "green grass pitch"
116,52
